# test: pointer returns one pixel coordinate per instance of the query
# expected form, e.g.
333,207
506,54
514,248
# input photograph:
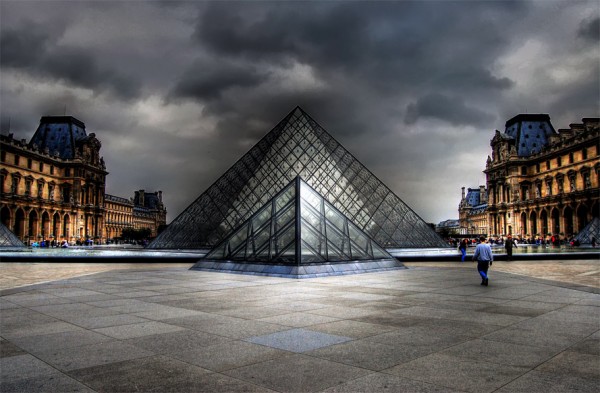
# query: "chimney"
463,193
160,196
141,200
482,196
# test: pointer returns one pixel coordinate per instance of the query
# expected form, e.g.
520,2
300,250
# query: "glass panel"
358,252
333,254
217,253
284,218
261,218
263,254
284,198
310,216
308,255
284,239
341,241
287,255
262,237
378,252
310,196
239,238
239,253
357,237
314,239
334,218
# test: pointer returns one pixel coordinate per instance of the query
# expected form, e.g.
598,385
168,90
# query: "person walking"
484,257
462,247
508,245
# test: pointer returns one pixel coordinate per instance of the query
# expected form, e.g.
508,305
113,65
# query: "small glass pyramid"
298,146
298,226
9,239
591,230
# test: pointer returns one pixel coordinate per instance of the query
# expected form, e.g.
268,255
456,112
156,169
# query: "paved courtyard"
423,329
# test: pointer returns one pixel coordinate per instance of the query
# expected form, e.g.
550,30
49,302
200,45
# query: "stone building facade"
149,211
119,215
53,187
540,181
144,210
472,211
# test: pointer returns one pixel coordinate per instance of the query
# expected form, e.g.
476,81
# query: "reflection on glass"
297,145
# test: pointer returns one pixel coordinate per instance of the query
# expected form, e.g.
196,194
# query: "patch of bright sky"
297,78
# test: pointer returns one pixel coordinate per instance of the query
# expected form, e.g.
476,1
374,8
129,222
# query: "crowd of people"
62,243
51,244
549,240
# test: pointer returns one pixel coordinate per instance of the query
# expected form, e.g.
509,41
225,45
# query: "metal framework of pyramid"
9,239
590,230
297,146
298,234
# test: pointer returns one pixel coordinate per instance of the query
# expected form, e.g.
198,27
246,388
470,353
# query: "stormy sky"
178,91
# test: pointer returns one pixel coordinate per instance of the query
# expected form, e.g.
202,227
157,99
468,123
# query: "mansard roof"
473,197
531,132
60,135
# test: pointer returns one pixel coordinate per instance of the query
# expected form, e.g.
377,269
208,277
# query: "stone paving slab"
297,340
423,329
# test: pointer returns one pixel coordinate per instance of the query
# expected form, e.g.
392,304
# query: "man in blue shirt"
484,257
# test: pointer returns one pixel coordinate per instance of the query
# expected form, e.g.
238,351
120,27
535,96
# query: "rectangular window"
29,163
41,167
68,172
52,169
3,156
16,159
548,165
584,154
558,161
537,168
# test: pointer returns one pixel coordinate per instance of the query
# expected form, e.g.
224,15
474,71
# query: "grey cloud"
33,52
382,50
590,29
20,48
206,81
450,109
473,79
371,73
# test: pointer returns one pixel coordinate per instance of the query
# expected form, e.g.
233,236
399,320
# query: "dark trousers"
482,268
509,253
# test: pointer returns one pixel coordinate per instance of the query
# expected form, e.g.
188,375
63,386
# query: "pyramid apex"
298,110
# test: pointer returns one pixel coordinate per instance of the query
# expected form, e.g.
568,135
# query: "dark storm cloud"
20,48
414,89
590,29
445,108
31,50
360,51
209,80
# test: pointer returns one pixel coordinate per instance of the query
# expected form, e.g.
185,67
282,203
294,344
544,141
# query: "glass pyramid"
9,239
298,226
298,146
591,230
